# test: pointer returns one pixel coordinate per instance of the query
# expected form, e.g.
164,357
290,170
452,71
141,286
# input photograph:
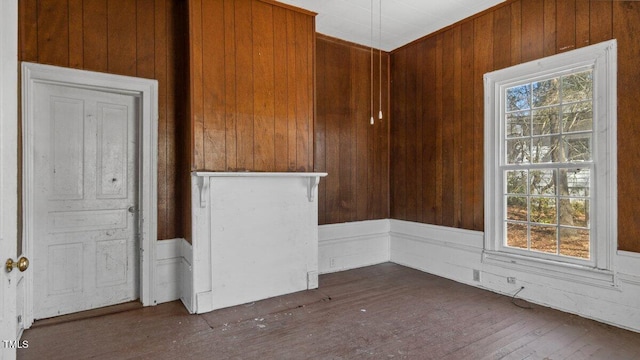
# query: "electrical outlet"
476,275
511,280
332,262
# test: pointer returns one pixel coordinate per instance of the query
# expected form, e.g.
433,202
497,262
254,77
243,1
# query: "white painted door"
9,330
85,191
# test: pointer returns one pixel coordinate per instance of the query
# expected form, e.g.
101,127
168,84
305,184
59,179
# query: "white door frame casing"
146,90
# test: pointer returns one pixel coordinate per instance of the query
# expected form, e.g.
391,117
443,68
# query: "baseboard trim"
352,245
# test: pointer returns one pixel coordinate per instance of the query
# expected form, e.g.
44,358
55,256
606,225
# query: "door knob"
22,264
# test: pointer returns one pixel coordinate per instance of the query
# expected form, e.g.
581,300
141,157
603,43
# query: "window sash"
603,185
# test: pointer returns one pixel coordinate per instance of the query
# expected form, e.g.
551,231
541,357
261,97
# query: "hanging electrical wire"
372,121
380,57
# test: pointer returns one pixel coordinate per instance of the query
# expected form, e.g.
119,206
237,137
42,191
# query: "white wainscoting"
169,259
352,245
447,252
455,254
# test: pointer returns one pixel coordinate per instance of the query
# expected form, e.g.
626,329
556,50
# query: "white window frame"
602,58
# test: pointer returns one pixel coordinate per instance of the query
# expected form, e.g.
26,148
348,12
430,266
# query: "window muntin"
547,165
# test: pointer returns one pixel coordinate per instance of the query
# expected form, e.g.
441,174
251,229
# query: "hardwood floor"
380,312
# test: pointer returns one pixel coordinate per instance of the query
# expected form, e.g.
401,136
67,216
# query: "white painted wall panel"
255,236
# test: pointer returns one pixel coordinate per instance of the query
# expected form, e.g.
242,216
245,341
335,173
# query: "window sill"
552,269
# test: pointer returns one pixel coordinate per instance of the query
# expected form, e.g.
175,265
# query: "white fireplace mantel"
254,236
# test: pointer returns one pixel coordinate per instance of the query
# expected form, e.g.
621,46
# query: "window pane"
543,210
543,238
516,182
518,151
517,208
576,148
545,121
546,92
577,117
518,98
577,86
542,182
518,124
574,212
578,182
574,242
544,149
517,235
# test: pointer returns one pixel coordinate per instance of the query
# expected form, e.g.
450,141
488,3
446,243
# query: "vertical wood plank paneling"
172,97
230,87
28,30
320,142
419,134
448,137
281,123
360,155
438,124
346,189
244,85
583,13
121,41
145,39
291,91
516,32
53,32
398,138
483,62
353,152
94,33
252,69
411,161
335,75
567,26
263,87
214,128
600,20
626,27
510,34
429,132
550,33
75,34
311,87
457,127
303,96
467,116
532,29
501,37
161,67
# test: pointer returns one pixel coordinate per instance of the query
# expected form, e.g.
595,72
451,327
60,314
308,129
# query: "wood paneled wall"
252,88
437,95
143,38
354,153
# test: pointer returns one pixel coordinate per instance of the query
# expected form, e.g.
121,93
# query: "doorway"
89,185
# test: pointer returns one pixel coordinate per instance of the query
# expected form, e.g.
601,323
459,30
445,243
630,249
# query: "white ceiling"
402,20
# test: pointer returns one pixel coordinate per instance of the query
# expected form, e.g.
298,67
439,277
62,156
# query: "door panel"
85,246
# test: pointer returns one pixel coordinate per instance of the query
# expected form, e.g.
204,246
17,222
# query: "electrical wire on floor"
513,300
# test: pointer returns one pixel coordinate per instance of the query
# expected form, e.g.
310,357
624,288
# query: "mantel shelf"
258,174
313,180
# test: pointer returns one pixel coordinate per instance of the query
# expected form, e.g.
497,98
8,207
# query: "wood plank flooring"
380,312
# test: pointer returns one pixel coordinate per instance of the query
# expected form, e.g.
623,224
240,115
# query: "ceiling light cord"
380,57
372,121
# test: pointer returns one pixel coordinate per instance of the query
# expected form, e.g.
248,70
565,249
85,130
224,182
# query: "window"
550,161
